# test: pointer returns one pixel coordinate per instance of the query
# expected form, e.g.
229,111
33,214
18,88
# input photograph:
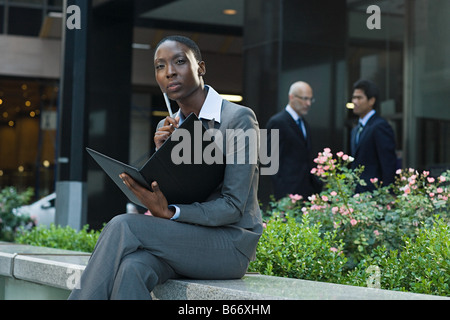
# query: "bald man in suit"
295,158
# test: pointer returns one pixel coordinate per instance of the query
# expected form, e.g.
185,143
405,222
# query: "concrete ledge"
260,287
28,272
38,271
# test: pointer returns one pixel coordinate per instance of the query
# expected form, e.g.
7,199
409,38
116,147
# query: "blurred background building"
64,89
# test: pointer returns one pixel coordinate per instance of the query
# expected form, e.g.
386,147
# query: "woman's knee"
143,266
119,219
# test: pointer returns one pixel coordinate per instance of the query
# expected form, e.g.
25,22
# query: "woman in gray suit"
214,239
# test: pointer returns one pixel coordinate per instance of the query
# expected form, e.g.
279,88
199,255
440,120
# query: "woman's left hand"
154,201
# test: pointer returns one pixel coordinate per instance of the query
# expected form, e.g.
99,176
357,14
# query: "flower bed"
396,237
363,227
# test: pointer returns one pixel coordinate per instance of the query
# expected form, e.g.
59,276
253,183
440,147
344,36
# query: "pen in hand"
170,124
169,108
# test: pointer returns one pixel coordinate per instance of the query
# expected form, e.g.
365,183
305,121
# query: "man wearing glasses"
294,174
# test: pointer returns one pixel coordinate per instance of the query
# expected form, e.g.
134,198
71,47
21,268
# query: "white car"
42,211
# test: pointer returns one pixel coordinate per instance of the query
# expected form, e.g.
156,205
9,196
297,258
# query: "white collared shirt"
292,112
211,108
366,118
295,116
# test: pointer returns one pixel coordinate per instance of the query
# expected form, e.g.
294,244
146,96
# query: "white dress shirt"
296,117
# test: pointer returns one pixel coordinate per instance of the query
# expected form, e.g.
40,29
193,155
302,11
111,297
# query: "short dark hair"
370,90
184,40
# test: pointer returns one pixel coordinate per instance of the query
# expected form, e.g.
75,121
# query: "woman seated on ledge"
215,239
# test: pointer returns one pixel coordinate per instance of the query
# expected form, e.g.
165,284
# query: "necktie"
358,132
301,125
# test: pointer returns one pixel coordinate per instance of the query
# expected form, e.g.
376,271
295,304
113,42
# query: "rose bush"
367,220
421,265
299,250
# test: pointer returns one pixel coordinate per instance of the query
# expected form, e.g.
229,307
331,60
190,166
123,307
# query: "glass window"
37,2
28,133
377,55
2,11
24,21
427,74
55,3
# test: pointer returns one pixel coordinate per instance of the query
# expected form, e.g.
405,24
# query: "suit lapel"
362,136
367,127
297,132
353,142
308,133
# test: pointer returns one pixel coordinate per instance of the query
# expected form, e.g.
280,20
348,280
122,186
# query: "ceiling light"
142,46
350,105
229,12
232,97
55,14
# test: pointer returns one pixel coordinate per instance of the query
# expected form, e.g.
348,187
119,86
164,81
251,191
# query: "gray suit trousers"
136,252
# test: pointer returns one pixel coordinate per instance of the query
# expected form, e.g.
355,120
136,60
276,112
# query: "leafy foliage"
10,222
422,265
298,250
60,237
401,230
367,220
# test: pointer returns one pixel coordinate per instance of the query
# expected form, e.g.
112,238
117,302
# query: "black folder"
182,183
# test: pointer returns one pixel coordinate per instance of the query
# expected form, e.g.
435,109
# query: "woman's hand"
163,133
154,201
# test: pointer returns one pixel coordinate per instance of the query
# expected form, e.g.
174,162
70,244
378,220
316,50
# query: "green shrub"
421,266
298,250
60,237
393,230
370,219
10,199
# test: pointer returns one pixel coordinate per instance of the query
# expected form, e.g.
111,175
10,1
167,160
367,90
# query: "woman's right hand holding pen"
164,132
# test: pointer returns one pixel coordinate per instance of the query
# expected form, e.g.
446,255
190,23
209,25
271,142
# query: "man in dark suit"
295,160
372,140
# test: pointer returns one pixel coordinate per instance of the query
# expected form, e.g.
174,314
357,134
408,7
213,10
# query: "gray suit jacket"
233,206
